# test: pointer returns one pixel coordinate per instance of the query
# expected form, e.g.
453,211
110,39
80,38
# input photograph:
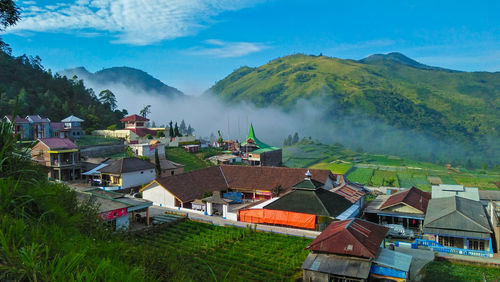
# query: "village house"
148,149
73,127
457,225
22,126
249,184
40,127
406,208
60,156
355,193
126,173
353,250
308,205
116,209
34,127
257,153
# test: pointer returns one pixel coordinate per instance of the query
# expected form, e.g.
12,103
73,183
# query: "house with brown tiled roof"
60,156
407,208
253,183
353,250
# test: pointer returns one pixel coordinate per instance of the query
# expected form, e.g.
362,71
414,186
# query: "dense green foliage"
461,107
52,96
192,251
447,271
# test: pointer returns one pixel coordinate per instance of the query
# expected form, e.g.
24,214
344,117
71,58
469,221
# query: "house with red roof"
60,156
353,250
407,208
137,125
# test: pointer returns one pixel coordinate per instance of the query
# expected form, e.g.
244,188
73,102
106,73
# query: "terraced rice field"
217,253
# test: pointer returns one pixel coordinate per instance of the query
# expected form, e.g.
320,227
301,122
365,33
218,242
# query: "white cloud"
222,49
137,22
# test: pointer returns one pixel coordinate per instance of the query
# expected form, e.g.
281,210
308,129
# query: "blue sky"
190,44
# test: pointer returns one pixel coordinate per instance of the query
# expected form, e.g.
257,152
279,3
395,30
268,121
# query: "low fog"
206,114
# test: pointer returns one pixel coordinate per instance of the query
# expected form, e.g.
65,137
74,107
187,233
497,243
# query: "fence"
435,246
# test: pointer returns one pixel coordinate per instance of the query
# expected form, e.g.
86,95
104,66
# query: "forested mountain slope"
52,96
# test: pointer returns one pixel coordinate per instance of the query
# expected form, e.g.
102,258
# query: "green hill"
52,96
442,104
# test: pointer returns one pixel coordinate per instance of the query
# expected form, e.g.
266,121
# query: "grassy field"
92,140
189,160
446,271
334,167
199,252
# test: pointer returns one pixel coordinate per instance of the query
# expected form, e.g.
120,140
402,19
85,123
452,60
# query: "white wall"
137,178
159,196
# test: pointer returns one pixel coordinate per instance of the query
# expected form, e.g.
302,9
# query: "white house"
127,173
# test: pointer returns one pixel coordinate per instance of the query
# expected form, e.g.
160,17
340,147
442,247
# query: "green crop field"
199,252
383,178
360,175
189,160
446,271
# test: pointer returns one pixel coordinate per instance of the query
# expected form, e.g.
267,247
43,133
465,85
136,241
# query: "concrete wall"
96,151
137,178
113,133
159,196
144,150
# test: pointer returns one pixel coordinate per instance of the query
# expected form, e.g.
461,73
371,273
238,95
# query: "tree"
9,15
295,139
171,130
190,130
220,140
288,141
145,111
182,128
176,131
160,134
108,99
153,124
157,164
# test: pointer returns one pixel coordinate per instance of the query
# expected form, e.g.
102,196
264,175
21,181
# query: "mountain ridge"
124,75
391,88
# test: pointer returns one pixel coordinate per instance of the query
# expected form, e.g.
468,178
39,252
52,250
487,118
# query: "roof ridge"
470,219
224,176
321,202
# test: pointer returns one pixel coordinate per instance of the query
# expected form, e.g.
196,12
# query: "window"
447,241
172,172
476,245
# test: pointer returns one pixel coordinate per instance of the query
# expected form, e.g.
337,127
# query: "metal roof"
456,216
95,170
318,202
337,265
127,165
353,237
448,190
393,259
72,118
